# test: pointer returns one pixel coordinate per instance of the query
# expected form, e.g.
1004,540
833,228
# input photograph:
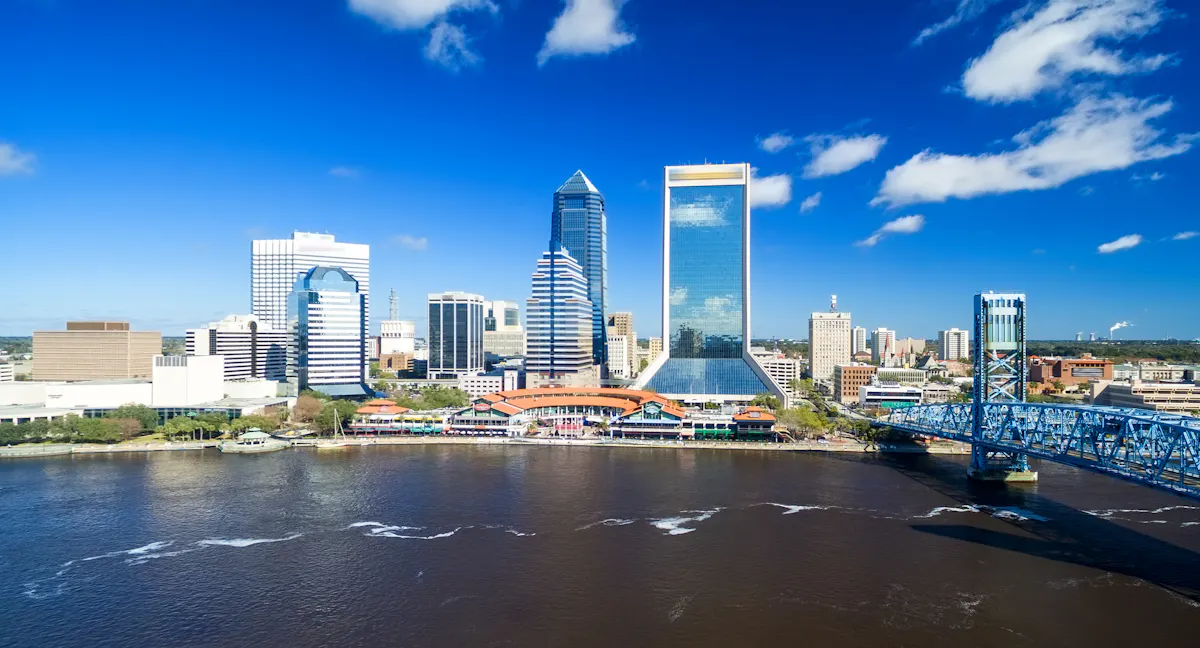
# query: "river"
576,546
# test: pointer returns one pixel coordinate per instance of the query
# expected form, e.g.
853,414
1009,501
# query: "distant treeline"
1172,351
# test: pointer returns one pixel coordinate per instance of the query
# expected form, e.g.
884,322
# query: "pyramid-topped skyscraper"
579,225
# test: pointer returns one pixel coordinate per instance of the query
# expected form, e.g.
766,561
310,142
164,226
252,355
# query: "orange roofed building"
570,411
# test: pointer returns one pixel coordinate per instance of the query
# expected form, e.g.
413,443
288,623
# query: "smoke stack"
1113,329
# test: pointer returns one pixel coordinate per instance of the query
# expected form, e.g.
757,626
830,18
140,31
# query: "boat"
337,442
253,441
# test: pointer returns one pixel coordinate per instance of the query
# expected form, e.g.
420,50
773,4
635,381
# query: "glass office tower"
578,224
706,289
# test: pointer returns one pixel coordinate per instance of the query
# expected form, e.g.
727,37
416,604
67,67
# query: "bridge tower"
1001,376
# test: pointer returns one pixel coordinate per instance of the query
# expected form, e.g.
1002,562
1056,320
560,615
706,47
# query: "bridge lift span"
1152,448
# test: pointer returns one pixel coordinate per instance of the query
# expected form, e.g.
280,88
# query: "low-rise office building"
251,348
497,380
913,377
938,393
94,351
848,379
888,395
1069,371
1160,397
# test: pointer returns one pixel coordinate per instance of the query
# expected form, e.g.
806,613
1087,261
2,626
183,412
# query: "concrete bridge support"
1002,467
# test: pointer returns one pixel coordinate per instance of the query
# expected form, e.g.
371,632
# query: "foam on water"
965,508
789,509
675,525
438,536
1014,513
243,542
608,522
144,558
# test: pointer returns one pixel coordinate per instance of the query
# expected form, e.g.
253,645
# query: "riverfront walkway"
49,450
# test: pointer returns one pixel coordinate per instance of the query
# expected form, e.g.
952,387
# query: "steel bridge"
1152,448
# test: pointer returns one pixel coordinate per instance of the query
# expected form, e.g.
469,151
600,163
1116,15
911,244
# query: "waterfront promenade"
46,450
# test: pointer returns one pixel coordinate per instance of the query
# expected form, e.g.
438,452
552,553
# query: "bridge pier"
1004,467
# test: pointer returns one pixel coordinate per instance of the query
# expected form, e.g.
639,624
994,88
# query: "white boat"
253,441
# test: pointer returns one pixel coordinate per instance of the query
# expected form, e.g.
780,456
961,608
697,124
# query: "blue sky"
955,145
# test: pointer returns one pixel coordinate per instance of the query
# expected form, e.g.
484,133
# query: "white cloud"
586,27
1123,243
967,10
834,154
1149,177
449,47
903,225
13,161
678,296
448,44
810,203
1087,190
344,172
415,14
1044,50
770,191
1183,236
775,142
1094,135
417,243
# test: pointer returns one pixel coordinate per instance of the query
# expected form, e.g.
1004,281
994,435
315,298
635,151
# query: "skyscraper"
952,345
828,342
858,340
559,318
455,334
277,263
578,223
327,318
706,289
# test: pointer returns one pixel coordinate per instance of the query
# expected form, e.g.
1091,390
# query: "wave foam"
243,542
675,525
1014,513
789,509
145,558
608,522
438,536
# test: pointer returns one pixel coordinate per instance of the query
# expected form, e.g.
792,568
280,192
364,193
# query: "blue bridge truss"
1152,448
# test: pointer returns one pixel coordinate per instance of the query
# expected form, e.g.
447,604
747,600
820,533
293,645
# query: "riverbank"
39,450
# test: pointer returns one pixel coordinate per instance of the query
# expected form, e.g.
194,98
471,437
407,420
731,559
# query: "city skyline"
183,158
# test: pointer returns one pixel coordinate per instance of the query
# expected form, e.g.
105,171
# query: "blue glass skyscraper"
578,223
706,289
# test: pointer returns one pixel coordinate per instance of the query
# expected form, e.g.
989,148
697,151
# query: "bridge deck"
1160,450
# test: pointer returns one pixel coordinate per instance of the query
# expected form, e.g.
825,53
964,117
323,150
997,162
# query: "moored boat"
253,441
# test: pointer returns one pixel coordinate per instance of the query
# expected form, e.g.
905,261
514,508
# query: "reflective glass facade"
706,259
705,288
456,325
578,223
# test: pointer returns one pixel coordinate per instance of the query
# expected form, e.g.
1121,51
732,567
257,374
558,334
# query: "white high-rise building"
953,345
828,342
327,317
276,264
858,340
559,317
252,349
622,324
883,347
619,365
503,335
455,334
